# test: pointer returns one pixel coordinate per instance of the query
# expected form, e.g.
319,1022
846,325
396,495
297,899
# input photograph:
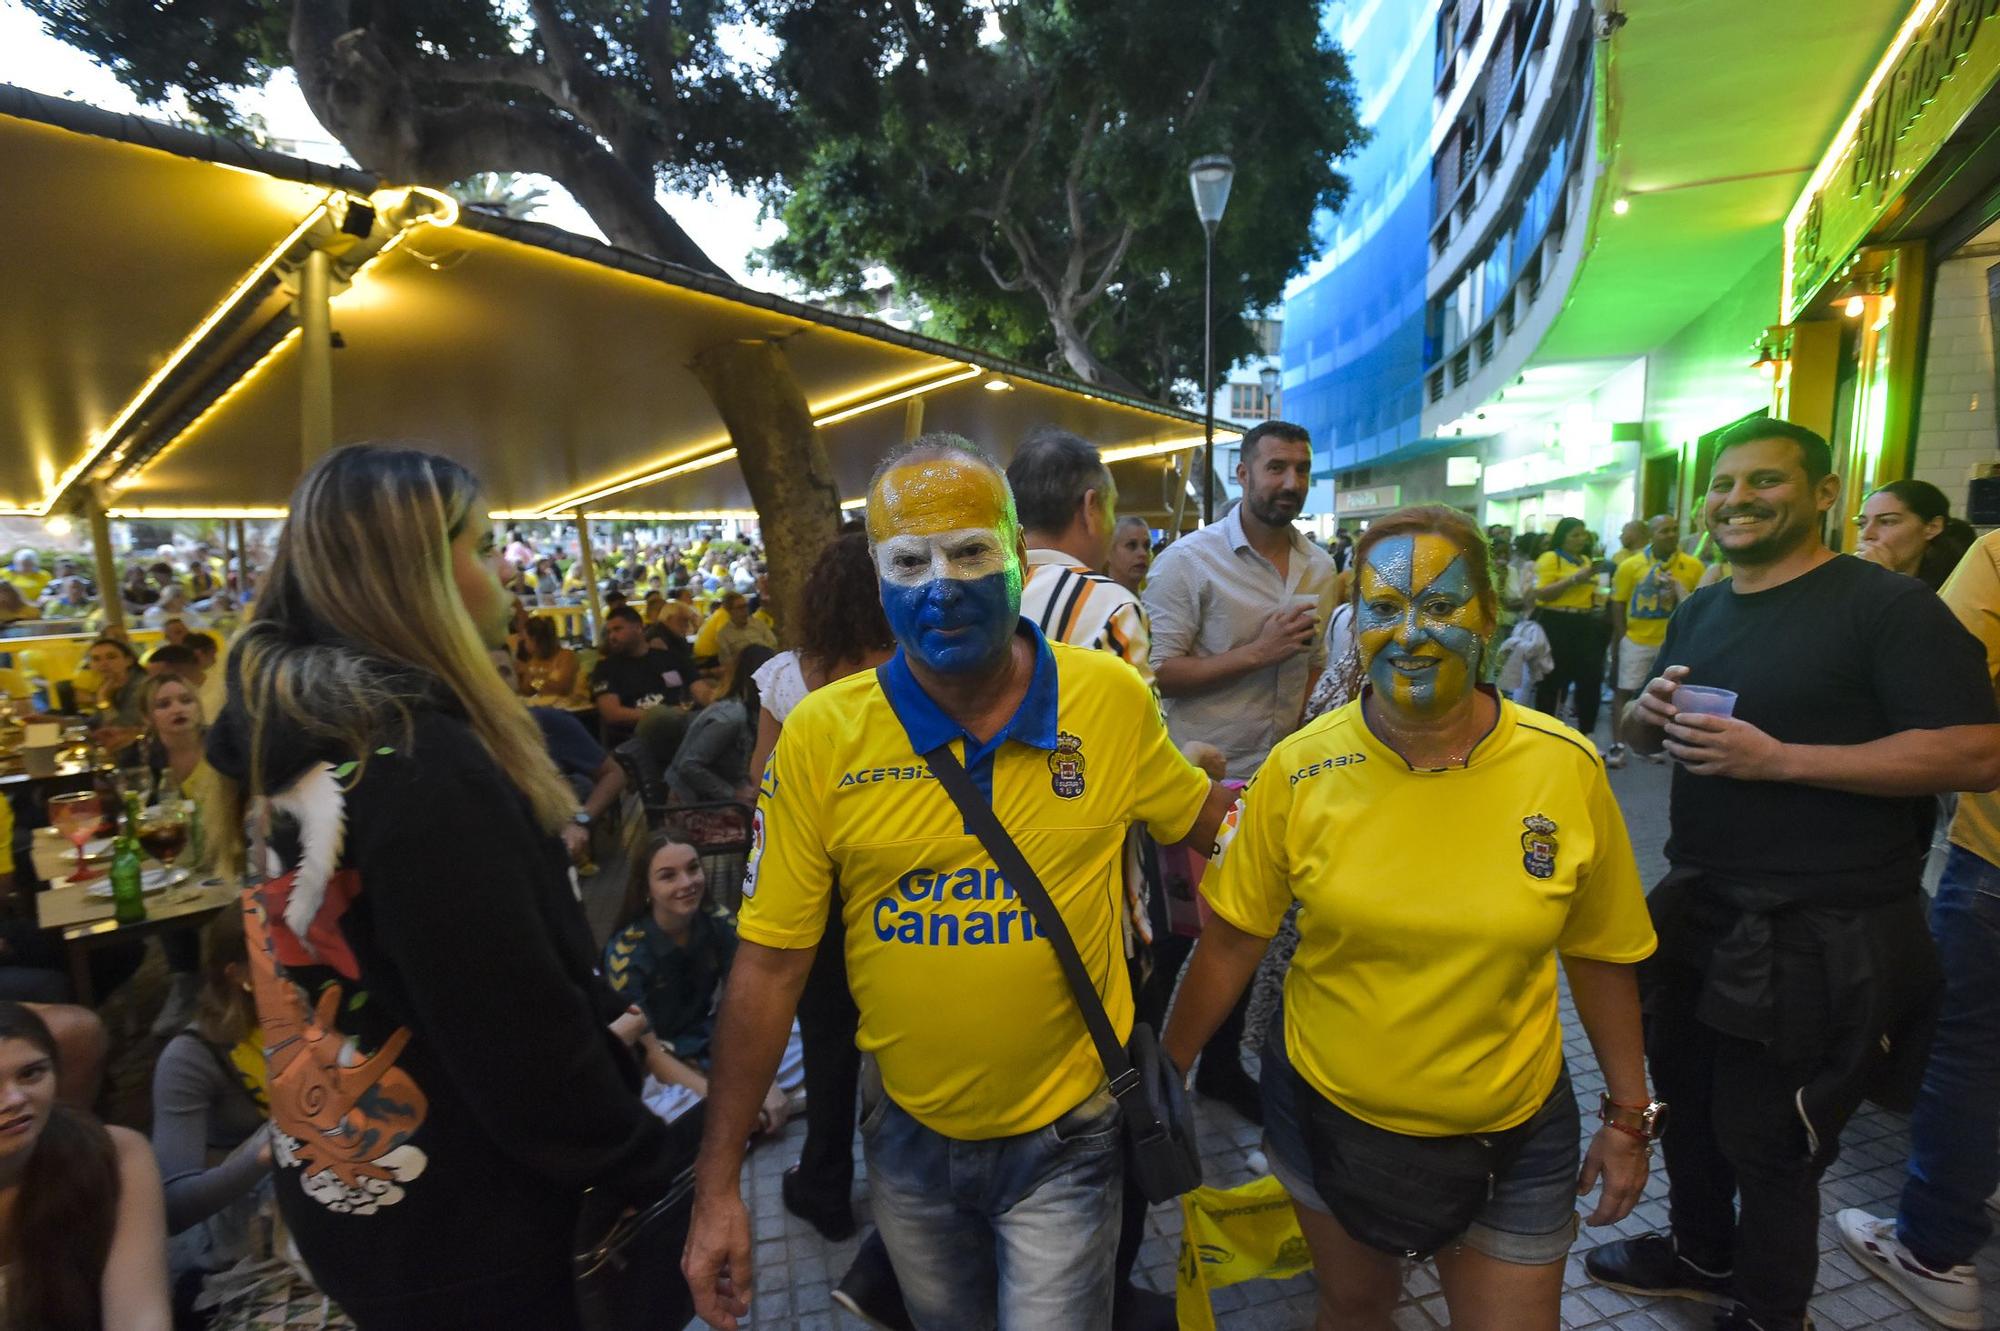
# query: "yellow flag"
1230,1235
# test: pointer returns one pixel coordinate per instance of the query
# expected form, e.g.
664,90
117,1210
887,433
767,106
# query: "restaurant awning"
150,342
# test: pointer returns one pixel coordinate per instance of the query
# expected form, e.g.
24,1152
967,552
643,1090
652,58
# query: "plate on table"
158,878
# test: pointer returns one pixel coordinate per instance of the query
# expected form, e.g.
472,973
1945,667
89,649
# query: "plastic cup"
1708,701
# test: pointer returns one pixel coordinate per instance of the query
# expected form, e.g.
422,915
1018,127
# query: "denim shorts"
1531,1218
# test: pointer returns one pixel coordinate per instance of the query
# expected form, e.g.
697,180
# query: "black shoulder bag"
1160,1152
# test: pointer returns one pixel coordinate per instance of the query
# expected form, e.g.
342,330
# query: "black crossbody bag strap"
985,824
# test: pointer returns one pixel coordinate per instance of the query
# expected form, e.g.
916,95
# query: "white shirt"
780,685
1209,593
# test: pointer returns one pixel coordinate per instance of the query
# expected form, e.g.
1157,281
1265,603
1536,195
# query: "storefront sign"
1943,60
1372,500
1461,471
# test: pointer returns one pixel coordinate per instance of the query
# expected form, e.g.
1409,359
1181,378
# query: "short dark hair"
172,654
124,647
1285,430
1814,453
1051,472
625,612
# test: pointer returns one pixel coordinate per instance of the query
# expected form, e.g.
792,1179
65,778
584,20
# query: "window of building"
1249,400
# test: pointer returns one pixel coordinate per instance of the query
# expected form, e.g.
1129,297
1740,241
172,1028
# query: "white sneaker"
1616,757
1949,1298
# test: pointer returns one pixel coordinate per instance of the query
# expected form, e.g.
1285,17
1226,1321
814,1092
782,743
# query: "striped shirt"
1072,604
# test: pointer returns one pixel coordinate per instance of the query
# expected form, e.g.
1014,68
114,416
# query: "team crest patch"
1066,766
1538,846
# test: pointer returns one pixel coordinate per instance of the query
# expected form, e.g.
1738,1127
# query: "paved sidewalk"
796,1268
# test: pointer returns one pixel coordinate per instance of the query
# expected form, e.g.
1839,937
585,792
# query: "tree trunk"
358,89
782,458
1075,348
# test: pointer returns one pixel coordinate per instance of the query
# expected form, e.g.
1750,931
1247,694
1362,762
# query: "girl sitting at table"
668,957
546,668
211,1119
82,1224
175,733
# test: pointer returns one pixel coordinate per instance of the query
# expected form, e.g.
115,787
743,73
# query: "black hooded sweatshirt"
442,1079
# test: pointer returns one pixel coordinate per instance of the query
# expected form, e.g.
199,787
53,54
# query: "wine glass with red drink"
77,817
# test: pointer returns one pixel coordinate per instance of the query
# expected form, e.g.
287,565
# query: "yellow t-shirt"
30,585
1973,593
1552,567
704,639
1636,586
962,1002
1433,904
6,837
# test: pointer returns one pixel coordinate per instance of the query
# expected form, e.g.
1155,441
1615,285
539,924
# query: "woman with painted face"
1907,526
1565,597
1446,848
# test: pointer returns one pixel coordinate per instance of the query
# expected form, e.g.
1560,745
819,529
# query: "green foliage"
208,50
1030,184
649,82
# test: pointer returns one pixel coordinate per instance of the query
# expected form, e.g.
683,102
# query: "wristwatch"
1645,1121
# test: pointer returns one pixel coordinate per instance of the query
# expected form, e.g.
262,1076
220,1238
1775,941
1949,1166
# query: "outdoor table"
13,774
85,922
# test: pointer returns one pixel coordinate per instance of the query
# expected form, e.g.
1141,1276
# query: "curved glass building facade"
1353,347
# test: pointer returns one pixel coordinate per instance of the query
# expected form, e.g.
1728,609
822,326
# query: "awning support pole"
238,529
589,562
1180,500
315,314
913,418
109,591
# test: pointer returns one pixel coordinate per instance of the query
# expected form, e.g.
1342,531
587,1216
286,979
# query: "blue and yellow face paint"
1419,622
948,556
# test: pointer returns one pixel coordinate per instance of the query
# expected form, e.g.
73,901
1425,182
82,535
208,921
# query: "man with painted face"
1813,705
1446,848
991,1138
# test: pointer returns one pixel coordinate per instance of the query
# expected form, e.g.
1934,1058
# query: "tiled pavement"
795,1268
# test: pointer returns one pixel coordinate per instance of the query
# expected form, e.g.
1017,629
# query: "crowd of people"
1342,811
186,585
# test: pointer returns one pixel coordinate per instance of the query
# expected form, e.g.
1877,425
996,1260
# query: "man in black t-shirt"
641,691
1795,973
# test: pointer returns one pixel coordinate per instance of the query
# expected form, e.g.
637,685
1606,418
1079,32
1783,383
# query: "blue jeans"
1955,1127
1016,1233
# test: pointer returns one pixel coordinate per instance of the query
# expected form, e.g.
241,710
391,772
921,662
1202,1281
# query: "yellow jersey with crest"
962,1001
1432,906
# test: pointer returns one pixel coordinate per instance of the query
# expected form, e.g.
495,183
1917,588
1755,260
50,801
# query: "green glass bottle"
128,898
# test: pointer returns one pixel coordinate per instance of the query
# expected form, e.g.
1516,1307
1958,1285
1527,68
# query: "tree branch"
1004,283
356,89
1110,268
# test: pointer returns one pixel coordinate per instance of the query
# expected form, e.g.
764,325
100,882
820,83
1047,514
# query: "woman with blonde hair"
443,1081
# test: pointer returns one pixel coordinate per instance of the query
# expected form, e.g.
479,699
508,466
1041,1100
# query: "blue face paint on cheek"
954,625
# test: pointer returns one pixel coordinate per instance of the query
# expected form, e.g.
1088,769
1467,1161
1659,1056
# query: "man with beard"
1236,609
1814,705
990,1134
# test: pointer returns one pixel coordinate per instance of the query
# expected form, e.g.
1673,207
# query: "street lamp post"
1268,376
1210,178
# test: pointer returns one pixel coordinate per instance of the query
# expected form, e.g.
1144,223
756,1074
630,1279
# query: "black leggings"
1578,640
